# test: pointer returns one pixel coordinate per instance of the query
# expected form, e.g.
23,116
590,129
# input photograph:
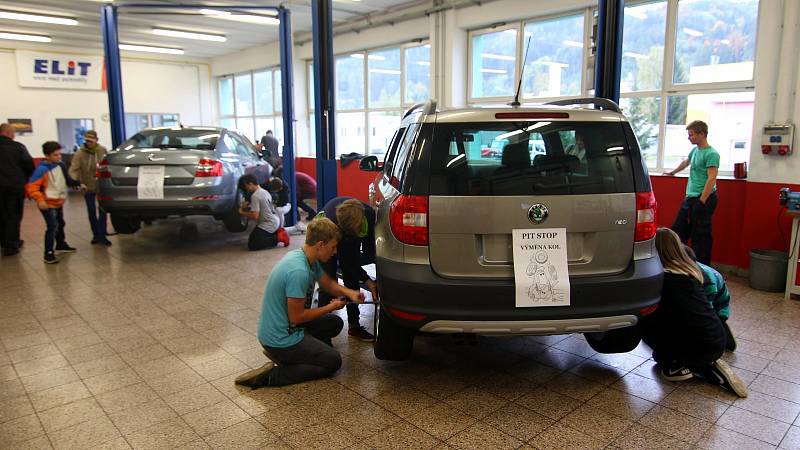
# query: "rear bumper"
169,207
488,306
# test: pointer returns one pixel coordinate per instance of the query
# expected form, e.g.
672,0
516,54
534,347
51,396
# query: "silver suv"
195,168
446,211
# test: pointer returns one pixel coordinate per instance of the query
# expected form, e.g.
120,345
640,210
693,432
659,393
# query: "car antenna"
516,102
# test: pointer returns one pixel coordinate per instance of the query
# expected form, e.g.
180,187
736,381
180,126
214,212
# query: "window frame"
252,115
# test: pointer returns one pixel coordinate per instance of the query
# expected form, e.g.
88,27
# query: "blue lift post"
108,22
608,57
116,109
324,106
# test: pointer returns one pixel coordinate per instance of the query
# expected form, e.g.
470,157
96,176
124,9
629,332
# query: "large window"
373,88
251,103
134,122
681,61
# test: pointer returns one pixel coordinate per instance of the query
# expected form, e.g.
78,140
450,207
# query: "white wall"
148,87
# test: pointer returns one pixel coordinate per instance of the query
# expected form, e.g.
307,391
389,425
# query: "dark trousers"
261,239
11,207
310,359
54,218
348,257
693,225
97,217
301,203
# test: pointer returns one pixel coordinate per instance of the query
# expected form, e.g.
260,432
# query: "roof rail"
598,102
428,107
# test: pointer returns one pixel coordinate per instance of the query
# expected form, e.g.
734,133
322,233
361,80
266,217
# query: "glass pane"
244,95
226,96
262,87
384,78
312,127
555,56
350,81
228,123
349,133
716,40
729,117
643,46
245,127
493,64
418,73
382,126
279,133
278,92
263,124
311,87
643,114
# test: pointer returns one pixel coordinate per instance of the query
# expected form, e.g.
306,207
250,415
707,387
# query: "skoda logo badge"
538,213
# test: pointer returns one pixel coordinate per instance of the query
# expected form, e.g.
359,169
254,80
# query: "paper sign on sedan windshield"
540,267
151,183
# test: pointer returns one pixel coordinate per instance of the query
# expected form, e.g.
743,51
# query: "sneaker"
676,373
256,378
730,341
10,251
361,333
101,240
283,236
65,248
50,258
721,373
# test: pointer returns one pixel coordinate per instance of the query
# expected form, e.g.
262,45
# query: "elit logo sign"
54,67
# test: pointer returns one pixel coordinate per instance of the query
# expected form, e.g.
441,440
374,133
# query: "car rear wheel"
125,224
234,222
622,340
392,342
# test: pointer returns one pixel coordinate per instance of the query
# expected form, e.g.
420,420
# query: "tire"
392,342
233,221
622,340
125,224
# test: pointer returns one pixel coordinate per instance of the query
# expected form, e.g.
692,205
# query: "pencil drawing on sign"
540,267
544,278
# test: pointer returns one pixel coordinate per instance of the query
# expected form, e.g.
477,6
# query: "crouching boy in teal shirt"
298,339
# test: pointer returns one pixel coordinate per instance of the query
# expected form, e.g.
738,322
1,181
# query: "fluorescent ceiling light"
24,37
189,35
635,55
386,71
424,63
692,32
236,17
496,56
59,20
570,43
499,71
151,49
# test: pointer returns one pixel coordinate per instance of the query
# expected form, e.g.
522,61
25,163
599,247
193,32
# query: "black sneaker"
65,248
256,378
50,258
361,333
721,373
10,251
676,373
101,240
730,341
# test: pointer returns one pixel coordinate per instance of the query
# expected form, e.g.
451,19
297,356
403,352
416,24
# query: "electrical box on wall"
777,139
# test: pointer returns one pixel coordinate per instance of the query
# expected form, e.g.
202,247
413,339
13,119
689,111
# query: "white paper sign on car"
540,267
151,183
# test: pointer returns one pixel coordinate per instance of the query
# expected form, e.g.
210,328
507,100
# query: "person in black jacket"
685,332
356,220
16,166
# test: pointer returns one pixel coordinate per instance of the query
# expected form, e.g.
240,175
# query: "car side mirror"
369,164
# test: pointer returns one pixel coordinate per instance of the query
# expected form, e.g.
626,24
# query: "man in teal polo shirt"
298,339
693,223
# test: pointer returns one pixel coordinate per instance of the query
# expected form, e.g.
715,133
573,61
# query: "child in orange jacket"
48,188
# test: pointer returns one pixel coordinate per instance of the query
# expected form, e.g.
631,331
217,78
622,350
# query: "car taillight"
208,168
645,216
408,218
102,171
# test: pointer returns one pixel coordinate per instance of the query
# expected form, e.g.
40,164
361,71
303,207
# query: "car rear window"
528,158
173,138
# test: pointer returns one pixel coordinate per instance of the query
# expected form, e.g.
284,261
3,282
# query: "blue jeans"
54,218
310,359
97,217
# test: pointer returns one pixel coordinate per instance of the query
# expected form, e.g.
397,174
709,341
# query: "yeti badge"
540,267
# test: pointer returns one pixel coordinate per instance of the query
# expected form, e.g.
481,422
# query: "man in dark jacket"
356,220
16,166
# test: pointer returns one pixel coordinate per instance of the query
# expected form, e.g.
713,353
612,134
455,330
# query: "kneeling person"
298,339
261,209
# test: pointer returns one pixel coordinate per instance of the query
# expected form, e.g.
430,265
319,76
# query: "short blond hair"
322,229
350,215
